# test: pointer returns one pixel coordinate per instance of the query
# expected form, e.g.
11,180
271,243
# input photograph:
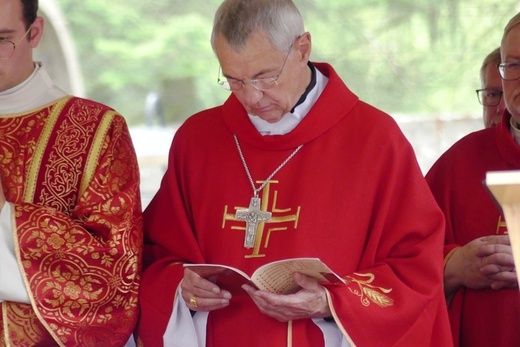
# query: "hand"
474,265
309,302
207,295
498,263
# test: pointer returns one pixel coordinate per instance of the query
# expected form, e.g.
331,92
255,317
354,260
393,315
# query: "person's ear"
303,45
36,31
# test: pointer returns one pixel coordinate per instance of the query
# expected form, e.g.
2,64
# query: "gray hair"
513,22
491,58
238,20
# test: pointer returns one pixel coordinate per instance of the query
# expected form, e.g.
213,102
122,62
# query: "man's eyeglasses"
7,47
509,71
489,97
235,85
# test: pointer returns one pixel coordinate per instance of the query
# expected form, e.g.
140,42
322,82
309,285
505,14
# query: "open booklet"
505,188
275,277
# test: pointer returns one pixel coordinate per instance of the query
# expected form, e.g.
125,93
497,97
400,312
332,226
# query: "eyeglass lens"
489,97
6,49
509,71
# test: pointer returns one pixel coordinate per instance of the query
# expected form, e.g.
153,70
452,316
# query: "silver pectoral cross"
253,216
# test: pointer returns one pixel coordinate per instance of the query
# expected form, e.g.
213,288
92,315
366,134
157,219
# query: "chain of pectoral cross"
253,215
257,190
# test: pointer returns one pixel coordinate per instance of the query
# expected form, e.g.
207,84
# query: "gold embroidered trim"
289,333
49,233
370,293
32,176
5,336
95,150
337,320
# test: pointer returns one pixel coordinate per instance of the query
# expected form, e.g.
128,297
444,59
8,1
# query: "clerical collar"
310,87
35,91
23,84
515,130
290,120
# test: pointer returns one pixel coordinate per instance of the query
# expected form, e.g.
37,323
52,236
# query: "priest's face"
279,77
510,51
16,65
492,83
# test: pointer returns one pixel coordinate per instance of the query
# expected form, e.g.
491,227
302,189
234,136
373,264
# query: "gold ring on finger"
193,301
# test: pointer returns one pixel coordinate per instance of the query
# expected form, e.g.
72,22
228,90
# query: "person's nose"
251,94
497,116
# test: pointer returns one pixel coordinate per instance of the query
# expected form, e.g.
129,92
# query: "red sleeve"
164,271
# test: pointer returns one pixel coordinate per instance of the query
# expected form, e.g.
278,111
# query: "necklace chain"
257,190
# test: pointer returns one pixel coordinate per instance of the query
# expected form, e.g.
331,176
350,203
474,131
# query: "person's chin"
269,117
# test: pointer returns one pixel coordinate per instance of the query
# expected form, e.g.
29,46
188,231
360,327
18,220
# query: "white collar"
290,120
35,91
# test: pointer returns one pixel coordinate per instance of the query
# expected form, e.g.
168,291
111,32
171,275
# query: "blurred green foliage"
419,57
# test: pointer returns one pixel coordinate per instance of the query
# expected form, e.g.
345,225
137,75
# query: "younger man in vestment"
479,277
70,213
295,158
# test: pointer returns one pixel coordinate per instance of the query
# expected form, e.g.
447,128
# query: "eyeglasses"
489,97
262,84
509,71
7,47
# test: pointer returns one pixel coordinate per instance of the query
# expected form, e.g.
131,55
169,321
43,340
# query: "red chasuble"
477,317
69,169
353,196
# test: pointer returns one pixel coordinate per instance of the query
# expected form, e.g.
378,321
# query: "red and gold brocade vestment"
70,173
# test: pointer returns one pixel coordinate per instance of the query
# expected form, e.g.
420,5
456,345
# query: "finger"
497,239
201,300
249,289
196,303
269,299
501,259
197,285
504,276
489,249
307,283
504,285
206,298
494,269
302,304
263,303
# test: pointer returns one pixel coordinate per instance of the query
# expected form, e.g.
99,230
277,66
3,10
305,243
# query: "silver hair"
238,20
492,58
513,23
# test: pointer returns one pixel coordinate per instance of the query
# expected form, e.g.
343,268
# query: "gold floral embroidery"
79,246
368,292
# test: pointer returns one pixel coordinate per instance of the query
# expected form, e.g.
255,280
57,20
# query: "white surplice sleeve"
12,287
183,330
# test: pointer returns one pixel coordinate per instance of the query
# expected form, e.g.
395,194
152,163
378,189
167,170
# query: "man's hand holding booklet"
275,277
